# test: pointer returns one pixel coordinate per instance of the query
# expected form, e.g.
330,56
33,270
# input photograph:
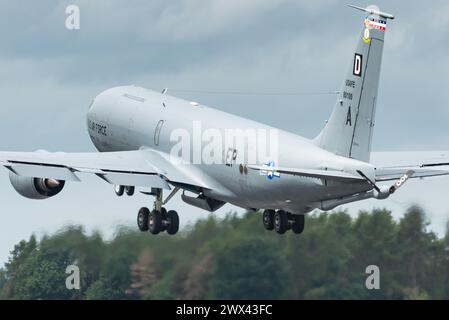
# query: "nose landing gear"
281,221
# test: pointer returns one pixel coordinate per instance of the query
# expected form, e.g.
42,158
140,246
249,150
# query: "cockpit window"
135,98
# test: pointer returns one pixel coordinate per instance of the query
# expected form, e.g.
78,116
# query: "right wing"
438,166
420,171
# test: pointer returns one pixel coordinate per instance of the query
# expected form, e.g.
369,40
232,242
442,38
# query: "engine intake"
36,188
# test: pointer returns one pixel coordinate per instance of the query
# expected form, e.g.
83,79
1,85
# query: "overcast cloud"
48,76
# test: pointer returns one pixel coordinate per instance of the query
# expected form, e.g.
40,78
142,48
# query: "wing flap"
134,179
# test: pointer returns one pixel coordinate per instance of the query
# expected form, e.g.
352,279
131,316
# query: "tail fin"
349,130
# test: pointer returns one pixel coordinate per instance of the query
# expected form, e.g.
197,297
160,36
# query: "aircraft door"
157,132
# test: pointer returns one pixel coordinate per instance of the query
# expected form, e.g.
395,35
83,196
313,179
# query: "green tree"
143,275
375,233
249,268
414,247
42,276
235,258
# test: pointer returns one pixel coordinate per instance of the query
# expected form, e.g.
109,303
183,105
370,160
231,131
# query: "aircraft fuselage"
131,118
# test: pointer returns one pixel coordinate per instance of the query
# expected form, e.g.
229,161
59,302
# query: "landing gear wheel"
129,190
268,219
155,222
164,219
298,223
172,222
119,190
280,221
142,219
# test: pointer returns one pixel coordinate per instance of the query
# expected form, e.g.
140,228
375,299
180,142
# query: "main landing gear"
281,221
157,220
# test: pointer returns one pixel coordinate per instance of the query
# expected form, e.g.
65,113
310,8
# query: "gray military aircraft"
138,133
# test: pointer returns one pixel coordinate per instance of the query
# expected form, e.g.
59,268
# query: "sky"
49,75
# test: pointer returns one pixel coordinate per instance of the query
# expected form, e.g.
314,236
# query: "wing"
147,168
314,173
420,171
393,165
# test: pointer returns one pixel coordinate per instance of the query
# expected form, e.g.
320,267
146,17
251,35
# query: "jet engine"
36,188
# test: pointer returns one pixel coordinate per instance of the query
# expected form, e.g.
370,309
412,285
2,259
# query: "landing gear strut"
281,221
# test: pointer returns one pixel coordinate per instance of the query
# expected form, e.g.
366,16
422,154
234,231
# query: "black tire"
142,219
280,221
164,219
129,190
268,219
155,222
119,190
173,222
298,223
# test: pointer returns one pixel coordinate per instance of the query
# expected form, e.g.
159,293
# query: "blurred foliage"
235,258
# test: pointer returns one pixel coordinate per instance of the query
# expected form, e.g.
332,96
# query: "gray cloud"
239,45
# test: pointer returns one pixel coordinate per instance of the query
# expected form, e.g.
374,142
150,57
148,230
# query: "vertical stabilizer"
349,130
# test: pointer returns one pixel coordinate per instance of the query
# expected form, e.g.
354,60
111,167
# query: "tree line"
235,258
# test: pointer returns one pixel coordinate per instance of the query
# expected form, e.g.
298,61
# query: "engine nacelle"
36,188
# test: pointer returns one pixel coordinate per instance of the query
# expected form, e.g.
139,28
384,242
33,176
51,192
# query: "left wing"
146,168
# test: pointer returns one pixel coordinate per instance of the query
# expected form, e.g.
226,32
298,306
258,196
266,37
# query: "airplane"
133,129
